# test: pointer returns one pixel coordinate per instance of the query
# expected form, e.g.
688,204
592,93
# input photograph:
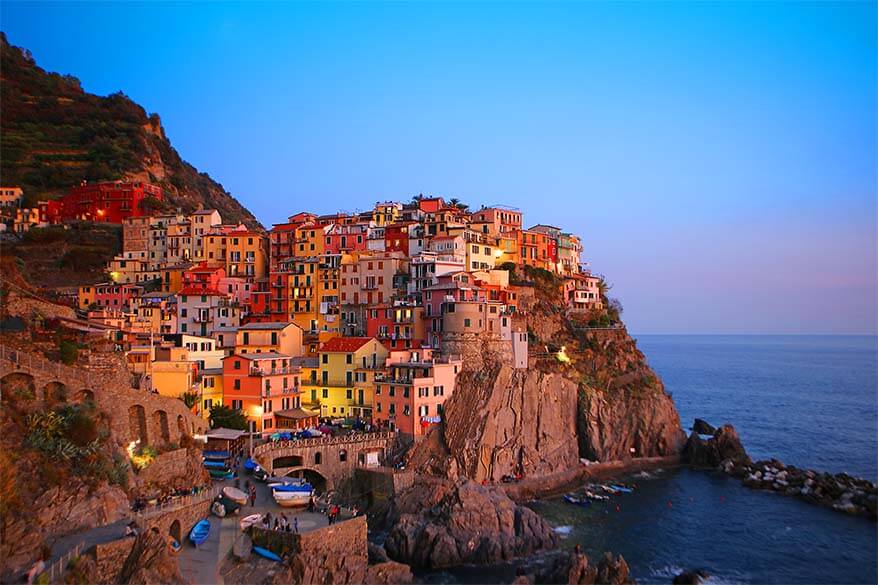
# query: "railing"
177,503
323,441
30,363
56,569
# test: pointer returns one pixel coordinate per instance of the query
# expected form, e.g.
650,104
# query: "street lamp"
256,414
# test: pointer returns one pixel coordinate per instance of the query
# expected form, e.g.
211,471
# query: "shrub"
69,351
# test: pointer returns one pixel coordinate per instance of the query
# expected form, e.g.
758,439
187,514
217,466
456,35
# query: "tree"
190,399
227,418
69,351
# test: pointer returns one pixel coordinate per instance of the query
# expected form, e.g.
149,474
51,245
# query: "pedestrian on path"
296,524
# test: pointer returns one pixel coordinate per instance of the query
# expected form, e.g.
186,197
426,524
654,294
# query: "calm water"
810,401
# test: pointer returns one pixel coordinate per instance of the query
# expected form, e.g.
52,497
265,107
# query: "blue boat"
622,489
250,465
200,532
221,473
292,487
216,465
264,552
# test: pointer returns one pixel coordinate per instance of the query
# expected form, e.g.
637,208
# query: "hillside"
55,135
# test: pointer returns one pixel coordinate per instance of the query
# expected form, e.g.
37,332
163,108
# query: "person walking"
296,524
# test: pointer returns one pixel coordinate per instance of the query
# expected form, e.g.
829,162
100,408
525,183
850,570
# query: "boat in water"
576,500
200,532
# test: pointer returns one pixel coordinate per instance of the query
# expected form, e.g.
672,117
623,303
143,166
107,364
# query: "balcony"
274,371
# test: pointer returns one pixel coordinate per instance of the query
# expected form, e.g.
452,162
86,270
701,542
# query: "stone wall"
186,517
134,414
477,351
374,488
180,468
109,558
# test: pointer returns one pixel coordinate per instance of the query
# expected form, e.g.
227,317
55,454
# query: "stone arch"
318,481
160,424
85,395
175,532
342,455
318,458
181,426
54,392
137,424
18,384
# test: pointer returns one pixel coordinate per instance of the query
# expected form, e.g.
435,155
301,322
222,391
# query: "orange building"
259,384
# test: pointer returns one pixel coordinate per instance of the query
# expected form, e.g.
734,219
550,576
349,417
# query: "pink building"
411,394
116,296
346,238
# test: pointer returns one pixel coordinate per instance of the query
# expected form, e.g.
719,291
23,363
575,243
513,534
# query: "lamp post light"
256,414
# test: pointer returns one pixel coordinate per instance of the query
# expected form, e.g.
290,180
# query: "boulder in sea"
702,427
691,577
723,448
574,569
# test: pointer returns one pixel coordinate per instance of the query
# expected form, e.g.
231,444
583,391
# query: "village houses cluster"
342,316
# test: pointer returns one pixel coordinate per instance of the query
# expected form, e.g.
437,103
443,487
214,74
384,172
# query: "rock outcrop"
150,562
723,446
574,569
841,492
442,524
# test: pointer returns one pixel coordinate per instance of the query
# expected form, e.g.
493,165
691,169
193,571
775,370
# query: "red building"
109,202
396,237
345,238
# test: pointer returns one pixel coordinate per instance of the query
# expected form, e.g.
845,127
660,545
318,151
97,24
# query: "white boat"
235,495
248,521
290,499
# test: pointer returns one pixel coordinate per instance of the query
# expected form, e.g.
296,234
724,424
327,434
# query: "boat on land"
200,532
235,495
221,473
251,520
250,465
265,553
211,464
289,496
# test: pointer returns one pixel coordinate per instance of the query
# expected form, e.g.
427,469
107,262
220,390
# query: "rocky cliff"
55,134
601,402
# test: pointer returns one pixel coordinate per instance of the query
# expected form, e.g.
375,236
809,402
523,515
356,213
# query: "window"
237,384
324,358
342,455
318,458
237,404
349,358
350,394
236,364
466,323
326,395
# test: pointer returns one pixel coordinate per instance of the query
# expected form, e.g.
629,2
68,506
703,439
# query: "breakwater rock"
840,491
441,524
574,569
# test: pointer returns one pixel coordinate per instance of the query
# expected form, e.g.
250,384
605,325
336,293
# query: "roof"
306,362
266,355
345,344
205,212
225,434
295,413
212,371
270,325
195,291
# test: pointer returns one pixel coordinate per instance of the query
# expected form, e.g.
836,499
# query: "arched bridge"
325,461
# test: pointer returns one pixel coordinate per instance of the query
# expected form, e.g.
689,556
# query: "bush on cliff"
227,418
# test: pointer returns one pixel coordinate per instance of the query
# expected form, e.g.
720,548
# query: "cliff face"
603,404
54,135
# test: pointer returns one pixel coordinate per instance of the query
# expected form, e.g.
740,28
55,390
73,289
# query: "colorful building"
258,384
110,202
346,378
410,396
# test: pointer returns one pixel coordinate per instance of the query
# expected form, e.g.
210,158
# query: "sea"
810,401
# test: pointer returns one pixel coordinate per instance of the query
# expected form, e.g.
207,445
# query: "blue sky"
718,159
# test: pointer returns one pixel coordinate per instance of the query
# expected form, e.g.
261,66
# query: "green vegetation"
70,432
227,418
190,399
69,351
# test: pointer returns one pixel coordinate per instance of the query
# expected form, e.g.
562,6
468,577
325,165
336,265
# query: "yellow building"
346,380
328,318
172,278
506,250
310,368
310,240
386,212
246,255
171,373
86,296
214,248
211,390
282,338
